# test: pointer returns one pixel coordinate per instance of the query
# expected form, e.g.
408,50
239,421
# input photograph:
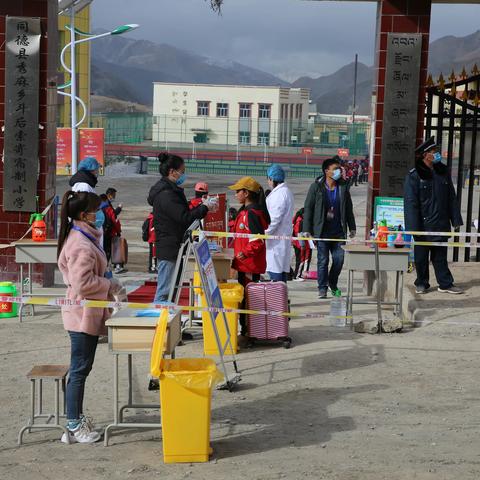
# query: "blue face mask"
337,174
437,157
99,219
181,179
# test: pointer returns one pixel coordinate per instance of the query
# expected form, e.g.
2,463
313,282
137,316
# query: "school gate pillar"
398,104
28,64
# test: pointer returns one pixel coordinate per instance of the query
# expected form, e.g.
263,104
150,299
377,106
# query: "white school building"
229,115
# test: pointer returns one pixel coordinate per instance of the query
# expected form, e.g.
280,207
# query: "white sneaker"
84,433
299,279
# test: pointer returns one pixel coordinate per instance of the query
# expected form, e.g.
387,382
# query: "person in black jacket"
328,213
431,205
171,218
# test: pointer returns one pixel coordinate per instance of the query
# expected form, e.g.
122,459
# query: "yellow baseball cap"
246,183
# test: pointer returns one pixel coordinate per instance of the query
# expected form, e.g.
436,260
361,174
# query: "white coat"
280,206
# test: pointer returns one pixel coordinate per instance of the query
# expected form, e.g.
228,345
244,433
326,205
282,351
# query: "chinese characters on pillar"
22,69
402,78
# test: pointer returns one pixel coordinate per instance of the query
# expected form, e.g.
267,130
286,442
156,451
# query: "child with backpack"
148,235
303,252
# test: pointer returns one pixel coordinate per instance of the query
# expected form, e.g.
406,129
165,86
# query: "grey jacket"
315,211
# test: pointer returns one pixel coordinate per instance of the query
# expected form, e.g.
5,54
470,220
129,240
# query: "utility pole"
354,108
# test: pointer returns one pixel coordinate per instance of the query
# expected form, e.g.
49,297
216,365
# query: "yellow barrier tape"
63,302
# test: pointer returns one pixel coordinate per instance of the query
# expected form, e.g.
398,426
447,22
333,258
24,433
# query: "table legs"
118,411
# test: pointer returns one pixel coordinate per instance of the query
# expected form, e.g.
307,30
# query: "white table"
30,252
362,258
129,335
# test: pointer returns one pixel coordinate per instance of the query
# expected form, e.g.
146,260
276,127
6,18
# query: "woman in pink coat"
83,264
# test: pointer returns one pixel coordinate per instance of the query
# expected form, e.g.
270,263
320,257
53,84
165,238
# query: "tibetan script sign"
402,79
22,68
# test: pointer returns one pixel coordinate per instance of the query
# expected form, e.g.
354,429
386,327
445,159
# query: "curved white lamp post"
72,84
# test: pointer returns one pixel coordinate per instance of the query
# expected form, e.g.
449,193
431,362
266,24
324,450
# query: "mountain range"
125,69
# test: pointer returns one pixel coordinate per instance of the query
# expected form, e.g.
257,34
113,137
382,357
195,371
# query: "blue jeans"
83,348
164,280
329,278
278,277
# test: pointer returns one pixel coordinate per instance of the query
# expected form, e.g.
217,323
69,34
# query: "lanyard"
332,196
92,239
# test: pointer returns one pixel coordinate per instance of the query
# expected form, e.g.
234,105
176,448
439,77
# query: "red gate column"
14,224
403,17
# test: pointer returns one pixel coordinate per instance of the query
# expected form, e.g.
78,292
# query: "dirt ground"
338,405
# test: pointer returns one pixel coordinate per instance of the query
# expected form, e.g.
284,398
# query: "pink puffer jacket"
83,266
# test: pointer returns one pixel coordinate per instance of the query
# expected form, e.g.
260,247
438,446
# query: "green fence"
218,167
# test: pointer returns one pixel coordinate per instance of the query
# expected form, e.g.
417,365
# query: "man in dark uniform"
431,205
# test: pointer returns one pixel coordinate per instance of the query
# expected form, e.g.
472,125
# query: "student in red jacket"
303,252
111,226
201,192
148,235
249,254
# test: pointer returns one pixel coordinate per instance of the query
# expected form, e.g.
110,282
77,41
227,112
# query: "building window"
222,109
263,138
245,110
324,138
203,109
244,138
264,110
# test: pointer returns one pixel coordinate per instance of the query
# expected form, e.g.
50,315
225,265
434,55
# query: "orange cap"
201,187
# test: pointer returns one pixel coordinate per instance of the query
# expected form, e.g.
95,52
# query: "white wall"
176,119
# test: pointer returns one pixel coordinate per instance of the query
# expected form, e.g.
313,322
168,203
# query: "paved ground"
338,405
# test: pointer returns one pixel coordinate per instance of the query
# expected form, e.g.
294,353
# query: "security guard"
431,205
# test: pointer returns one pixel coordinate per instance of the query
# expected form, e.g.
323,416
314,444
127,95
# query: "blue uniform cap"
89,164
276,173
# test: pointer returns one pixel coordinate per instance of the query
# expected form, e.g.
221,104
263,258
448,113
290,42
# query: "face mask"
437,157
99,219
337,174
181,179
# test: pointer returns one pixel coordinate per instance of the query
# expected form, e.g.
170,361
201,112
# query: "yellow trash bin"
185,401
232,297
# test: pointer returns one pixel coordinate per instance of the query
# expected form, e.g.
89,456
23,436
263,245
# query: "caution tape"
351,241
66,302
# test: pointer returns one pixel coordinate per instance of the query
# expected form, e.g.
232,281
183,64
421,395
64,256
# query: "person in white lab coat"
280,205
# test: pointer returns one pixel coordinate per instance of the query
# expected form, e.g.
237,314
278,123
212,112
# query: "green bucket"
7,309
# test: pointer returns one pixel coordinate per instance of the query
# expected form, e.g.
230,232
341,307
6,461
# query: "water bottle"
338,310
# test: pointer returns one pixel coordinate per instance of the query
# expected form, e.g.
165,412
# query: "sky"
288,38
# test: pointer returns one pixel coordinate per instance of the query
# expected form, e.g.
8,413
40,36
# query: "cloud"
289,38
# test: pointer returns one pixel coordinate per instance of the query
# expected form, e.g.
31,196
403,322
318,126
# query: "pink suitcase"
268,296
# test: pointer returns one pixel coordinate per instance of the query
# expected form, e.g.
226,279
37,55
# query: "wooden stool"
37,374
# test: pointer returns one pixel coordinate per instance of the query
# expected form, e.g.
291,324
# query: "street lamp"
72,84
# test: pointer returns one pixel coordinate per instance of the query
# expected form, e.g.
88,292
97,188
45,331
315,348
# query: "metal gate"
452,116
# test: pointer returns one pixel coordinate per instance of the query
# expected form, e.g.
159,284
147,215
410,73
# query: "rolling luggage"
268,296
119,251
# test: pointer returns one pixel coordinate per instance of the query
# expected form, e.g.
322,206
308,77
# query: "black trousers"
438,256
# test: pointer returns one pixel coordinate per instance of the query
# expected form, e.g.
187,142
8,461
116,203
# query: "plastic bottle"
39,228
382,234
338,310
399,241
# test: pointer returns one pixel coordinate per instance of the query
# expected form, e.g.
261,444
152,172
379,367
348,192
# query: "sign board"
391,209
64,151
402,79
22,72
92,144
216,220
307,150
208,276
343,152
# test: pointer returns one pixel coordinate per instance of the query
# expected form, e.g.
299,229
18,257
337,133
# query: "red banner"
64,151
216,220
343,152
92,144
